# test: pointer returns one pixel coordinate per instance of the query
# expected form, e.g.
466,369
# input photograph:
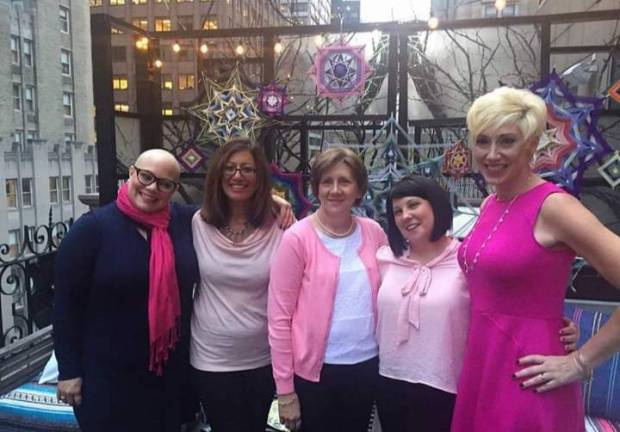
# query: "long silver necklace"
469,267
330,232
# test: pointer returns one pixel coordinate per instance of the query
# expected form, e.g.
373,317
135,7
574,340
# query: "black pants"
236,401
407,407
341,401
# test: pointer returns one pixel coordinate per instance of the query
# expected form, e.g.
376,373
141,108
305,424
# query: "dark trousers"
342,400
236,401
407,407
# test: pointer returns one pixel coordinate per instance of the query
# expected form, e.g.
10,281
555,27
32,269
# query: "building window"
27,53
69,138
29,97
185,22
166,81
119,54
184,1
162,24
142,23
65,62
11,193
65,18
185,54
166,110
18,139
66,189
95,3
117,2
67,102
138,2
119,82
15,49
121,107
14,243
186,81
31,136
53,190
26,192
92,183
209,22
17,97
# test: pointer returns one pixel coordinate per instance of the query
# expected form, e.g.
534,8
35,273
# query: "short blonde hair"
327,159
506,105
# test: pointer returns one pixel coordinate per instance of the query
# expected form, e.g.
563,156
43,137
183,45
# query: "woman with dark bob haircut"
235,238
423,310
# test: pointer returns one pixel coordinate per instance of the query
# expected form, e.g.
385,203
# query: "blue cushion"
34,407
602,394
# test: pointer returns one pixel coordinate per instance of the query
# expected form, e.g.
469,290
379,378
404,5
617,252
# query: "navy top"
101,313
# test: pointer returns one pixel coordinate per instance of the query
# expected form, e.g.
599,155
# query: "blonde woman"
517,261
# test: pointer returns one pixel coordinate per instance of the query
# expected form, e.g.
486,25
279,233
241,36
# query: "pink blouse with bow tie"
423,317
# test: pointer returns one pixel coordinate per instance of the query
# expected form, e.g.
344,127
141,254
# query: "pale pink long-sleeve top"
423,318
302,288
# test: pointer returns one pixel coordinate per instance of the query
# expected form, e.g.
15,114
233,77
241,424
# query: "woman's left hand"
569,335
285,217
548,372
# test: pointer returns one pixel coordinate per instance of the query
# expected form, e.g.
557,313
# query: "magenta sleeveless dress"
517,290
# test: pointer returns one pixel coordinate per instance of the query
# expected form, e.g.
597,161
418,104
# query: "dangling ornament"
581,116
610,170
555,143
290,187
229,111
457,161
340,70
272,99
191,158
614,91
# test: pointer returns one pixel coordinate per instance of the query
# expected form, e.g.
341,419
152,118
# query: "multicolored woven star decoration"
555,143
340,70
191,158
581,115
610,170
457,161
229,111
290,187
272,99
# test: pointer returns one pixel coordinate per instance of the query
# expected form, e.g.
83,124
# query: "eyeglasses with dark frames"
244,170
147,178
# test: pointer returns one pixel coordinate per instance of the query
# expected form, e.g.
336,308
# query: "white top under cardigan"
423,317
351,337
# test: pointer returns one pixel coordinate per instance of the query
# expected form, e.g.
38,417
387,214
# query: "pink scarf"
164,304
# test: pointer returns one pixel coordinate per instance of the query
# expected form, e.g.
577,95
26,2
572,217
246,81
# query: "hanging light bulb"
158,63
240,50
318,40
142,43
176,47
500,5
375,34
433,22
204,48
278,47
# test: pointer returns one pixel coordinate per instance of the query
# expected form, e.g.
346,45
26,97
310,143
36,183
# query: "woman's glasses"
244,170
146,178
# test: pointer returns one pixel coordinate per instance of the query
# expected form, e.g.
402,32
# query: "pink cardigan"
302,288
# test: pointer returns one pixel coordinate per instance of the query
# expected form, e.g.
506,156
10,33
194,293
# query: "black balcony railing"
26,281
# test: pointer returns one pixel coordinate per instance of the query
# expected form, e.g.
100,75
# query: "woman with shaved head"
124,279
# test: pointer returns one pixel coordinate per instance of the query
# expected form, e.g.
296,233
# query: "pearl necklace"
469,268
330,232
